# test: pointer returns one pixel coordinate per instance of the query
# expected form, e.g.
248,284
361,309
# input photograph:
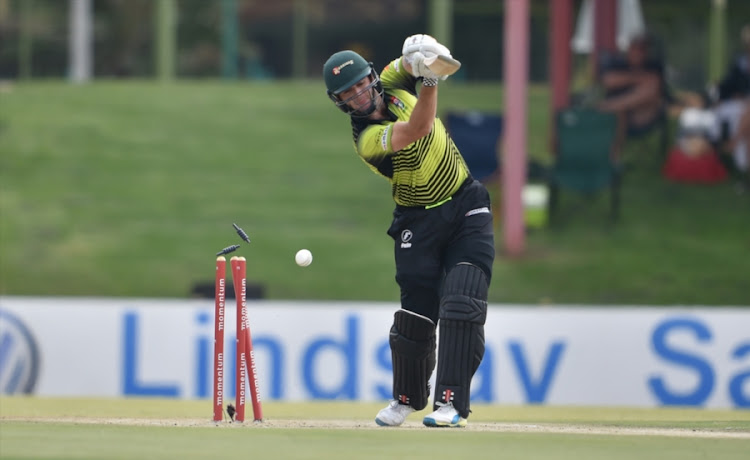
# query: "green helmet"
341,71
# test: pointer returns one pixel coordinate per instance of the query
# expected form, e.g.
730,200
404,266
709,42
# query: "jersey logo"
384,138
397,102
406,238
337,70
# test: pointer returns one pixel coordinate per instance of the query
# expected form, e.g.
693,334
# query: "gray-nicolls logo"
406,238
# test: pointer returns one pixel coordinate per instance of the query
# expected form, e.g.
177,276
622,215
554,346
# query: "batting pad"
463,312
412,339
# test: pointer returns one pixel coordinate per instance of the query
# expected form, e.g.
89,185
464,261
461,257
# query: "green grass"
30,428
61,441
128,189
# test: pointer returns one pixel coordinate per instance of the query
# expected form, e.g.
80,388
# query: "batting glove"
420,69
425,44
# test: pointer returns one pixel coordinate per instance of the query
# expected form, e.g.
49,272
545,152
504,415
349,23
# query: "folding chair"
477,136
583,159
642,137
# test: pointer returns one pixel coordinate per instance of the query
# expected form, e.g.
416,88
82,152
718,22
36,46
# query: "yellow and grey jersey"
423,173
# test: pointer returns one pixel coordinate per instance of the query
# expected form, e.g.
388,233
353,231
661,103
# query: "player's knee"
412,334
464,295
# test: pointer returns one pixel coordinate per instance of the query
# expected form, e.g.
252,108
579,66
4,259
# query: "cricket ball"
303,258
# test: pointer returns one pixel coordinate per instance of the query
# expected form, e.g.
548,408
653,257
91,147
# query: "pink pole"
606,24
515,67
605,30
561,29
560,32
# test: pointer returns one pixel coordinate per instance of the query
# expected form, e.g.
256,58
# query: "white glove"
418,47
425,44
419,68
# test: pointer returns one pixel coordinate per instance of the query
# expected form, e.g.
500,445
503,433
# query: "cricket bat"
442,65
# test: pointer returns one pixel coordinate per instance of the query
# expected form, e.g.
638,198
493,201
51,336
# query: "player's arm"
379,141
399,74
423,116
421,120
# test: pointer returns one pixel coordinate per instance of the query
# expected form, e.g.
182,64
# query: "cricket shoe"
394,414
445,416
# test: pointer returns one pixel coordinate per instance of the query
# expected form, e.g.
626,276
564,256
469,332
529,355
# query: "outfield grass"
33,428
129,188
65,441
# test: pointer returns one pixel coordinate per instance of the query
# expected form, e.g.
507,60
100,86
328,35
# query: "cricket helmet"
344,69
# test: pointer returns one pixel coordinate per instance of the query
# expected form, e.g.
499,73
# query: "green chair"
583,157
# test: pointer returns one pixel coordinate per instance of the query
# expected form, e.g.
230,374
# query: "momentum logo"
19,356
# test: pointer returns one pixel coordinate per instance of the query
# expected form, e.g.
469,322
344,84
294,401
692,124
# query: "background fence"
34,35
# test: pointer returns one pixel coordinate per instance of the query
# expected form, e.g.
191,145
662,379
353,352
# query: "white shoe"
394,414
445,415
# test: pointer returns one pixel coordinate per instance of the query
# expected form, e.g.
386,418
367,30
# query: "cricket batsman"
442,226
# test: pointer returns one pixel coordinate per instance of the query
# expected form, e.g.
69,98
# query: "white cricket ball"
303,258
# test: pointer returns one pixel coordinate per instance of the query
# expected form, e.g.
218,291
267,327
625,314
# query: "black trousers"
429,242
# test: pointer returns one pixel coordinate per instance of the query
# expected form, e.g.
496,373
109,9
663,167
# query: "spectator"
739,145
634,89
733,107
736,83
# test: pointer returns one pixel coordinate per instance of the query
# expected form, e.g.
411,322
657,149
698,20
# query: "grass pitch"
58,428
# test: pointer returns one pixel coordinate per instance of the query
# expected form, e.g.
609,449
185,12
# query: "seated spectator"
736,83
693,158
739,145
733,107
634,88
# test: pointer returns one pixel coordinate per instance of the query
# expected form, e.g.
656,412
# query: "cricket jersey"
424,173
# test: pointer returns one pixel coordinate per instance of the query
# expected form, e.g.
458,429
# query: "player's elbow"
407,133
421,128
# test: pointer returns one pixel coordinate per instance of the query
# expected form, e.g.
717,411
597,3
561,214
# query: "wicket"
245,359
